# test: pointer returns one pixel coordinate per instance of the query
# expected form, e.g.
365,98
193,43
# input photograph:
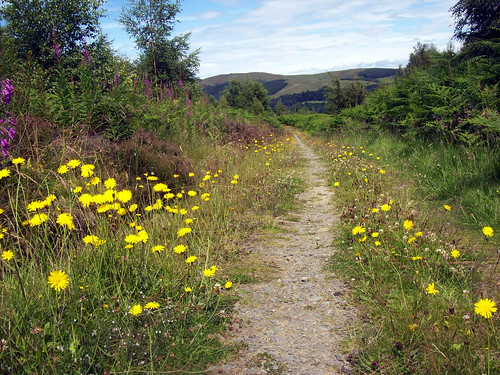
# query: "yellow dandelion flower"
161,188
143,235
65,220
110,183
455,253
38,219
135,310
208,272
385,207
194,208
418,234
152,305
377,243
63,169
58,280
5,172
485,308
188,289
17,161
408,224
431,289
152,178
234,182
358,230
191,259
447,208
416,258
413,327
375,234
411,239
228,284
169,196
77,189
179,249
73,163
133,239
7,255
87,170
362,239
124,196
95,181
183,231
133,207
488,231
336,183
375,210
157,248
205,197
93,240
188,221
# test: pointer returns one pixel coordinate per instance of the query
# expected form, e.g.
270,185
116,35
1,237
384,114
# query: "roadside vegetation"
416,174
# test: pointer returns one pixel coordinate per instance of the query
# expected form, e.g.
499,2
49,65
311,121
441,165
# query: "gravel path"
294,324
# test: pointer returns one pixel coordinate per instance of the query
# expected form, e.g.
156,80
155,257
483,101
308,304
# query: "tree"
250,95
338,98
150,23
172,59
476,20
43,29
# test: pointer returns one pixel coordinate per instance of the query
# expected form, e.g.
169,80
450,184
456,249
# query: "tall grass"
418,269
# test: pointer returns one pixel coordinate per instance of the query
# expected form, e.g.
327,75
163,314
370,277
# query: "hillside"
279,85
305,90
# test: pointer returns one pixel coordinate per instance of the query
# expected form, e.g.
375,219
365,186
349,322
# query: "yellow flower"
38,219
411,239
133,207
152,305
157,248
488,231
188,221
408,224
58,280
87,170
455,253
188,289
194,208
191,174
234,182
65,220
385,207
183,231
17,161
63,169
136,310
382,171
110,183
228,285
375,234
413,326
362,239
7,255
416,258
179,249
485,308
161,187
85,199
77,190
124,196
93,240
191,259
133,238
73,163
358,230
418,234
4,173
336,183
209,272
152,178
143,235
205,197
447,208
431,289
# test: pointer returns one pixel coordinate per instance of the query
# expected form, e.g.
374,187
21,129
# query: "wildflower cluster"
397,260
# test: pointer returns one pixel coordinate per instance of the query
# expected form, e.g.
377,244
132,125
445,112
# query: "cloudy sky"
300,36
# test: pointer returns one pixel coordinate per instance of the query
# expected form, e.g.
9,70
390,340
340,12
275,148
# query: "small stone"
304,279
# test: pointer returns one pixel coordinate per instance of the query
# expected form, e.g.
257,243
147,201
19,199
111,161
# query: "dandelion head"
58,280
488,231
485,308
135,310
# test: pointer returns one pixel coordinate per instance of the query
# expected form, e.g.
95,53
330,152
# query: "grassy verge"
422,261
106,271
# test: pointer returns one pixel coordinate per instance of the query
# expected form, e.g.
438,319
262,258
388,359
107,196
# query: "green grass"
402,328
94,324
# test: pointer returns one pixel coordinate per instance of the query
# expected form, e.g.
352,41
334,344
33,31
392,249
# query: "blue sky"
300,36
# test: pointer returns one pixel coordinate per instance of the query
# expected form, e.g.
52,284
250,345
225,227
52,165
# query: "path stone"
295,323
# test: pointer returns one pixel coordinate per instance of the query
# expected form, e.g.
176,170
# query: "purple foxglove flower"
7,91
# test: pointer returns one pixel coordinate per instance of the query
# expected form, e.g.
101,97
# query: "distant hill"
305,89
